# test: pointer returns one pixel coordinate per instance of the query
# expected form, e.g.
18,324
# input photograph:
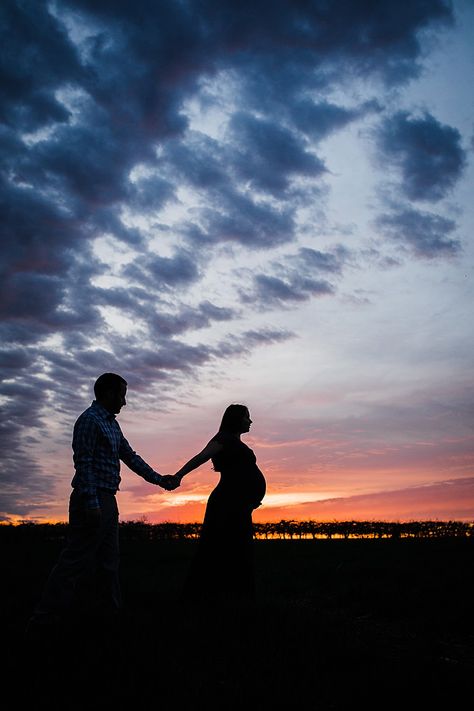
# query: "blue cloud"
426,234
295,279
268,155
428,154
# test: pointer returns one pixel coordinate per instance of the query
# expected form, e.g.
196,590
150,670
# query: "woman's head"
236,418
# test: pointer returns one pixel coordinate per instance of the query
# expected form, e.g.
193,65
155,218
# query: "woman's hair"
232,418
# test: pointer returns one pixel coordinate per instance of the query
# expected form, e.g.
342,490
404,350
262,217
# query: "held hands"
170,482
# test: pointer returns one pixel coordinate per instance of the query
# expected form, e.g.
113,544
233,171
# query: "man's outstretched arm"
140,467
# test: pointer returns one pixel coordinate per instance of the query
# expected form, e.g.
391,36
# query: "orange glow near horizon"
308,478
449,500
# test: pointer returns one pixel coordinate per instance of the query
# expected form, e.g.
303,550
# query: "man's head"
110,390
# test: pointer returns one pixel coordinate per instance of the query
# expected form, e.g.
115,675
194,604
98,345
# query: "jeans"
86,575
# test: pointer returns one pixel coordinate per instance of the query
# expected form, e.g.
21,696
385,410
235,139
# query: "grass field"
342,623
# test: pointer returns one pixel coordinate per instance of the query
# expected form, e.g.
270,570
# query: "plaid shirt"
98,446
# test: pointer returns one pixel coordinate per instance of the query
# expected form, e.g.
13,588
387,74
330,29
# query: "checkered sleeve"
137,464
84,442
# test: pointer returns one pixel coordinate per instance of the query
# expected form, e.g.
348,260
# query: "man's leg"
109,597
76,561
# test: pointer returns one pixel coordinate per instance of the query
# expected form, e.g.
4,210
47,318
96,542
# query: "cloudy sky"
267,202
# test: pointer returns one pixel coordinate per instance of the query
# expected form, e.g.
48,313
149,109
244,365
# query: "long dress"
223,568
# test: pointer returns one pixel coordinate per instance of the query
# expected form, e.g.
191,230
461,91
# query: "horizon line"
468,522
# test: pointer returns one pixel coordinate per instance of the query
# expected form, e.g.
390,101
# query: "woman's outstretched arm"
210,450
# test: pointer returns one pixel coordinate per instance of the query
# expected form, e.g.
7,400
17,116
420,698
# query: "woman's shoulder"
221,437
225,438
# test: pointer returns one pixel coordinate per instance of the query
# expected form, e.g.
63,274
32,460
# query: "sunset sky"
262,202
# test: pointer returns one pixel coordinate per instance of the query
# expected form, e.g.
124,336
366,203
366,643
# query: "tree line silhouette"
277,530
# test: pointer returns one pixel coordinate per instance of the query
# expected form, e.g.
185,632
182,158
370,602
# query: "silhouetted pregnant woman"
223,568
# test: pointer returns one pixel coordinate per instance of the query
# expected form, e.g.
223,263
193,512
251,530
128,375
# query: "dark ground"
367,623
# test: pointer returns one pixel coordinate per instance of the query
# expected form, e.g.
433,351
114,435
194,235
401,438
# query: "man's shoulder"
91,414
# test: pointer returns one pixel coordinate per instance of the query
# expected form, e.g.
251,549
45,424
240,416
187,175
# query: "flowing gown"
223,568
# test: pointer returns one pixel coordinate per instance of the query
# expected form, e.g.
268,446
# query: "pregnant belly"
240,489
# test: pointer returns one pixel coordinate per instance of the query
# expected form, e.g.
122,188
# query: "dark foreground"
370,623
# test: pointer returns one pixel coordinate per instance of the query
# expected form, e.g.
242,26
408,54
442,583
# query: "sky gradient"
268,203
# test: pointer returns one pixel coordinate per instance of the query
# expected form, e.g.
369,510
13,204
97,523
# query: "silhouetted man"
92,550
